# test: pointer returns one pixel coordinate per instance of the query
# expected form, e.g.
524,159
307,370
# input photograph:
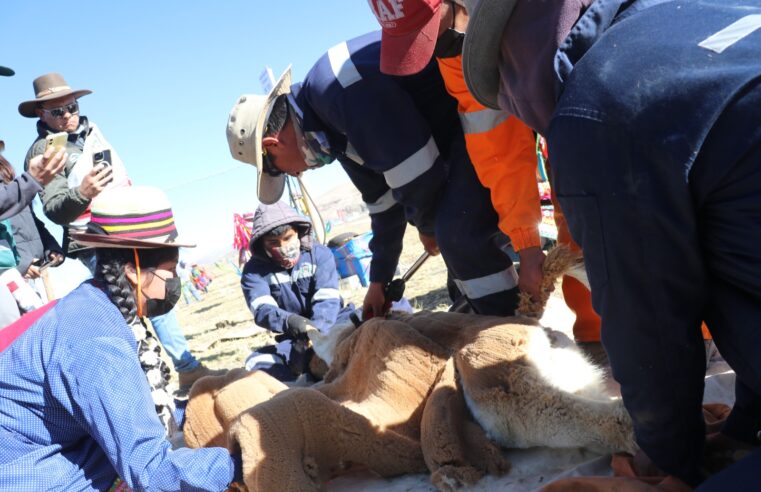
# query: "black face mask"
449,44
172,291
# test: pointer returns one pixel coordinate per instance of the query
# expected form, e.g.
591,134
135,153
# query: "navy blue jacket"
392,135
309,289
645,89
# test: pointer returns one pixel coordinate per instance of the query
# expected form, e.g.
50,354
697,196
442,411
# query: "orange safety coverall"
502,150
503,153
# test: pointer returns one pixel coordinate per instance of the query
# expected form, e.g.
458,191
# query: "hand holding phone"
46,166
95,181
102,157
56,140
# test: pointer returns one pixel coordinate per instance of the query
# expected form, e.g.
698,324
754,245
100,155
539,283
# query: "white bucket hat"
245,130
481,50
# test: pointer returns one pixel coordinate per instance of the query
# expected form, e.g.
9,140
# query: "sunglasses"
60,112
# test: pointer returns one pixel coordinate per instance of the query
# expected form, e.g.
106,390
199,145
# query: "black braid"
110,271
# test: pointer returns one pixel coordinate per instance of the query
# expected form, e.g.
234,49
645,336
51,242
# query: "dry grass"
220,329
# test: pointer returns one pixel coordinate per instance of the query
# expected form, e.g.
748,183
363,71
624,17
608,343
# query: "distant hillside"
341,204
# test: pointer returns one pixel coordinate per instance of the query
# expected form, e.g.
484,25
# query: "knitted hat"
131,217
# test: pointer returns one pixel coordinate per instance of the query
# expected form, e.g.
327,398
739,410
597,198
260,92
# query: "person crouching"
289,282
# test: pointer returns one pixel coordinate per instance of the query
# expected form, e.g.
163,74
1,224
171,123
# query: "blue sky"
164,75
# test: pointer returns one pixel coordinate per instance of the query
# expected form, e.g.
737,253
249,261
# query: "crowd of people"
649,111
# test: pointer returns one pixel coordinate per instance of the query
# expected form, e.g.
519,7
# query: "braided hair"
110,272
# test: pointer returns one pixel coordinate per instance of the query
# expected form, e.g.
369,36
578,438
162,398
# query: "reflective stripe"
284,348
278,278
490,284
261,300
731,34
413,166
326,293
385,202
482,121
352,154
261,361
343,68
306,270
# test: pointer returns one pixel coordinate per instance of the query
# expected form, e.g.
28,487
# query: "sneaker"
188,378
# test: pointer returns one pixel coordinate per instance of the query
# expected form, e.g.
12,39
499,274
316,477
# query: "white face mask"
287,255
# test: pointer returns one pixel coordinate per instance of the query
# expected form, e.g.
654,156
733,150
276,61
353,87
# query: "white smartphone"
57,140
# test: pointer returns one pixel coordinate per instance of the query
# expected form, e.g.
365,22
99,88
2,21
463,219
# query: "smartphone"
42,264
57,140
102,157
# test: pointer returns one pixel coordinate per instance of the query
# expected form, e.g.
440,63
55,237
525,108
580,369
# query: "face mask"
449,44
286,256
172,291
313,145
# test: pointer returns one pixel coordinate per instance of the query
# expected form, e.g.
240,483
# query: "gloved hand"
296,327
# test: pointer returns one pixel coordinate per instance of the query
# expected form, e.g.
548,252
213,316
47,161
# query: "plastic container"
353,258
26,298
360,267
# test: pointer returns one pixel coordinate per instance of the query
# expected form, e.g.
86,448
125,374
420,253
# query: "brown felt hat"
46,87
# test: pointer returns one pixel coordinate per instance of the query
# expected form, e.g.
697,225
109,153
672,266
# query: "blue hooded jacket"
309,289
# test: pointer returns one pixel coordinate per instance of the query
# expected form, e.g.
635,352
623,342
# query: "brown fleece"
384,371
456,449
391,401
215,401
559,260
300,438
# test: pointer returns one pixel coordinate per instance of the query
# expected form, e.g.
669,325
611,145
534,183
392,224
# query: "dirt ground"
221,331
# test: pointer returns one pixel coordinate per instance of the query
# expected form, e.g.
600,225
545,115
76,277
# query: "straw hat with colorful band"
47,87
131,217
245,130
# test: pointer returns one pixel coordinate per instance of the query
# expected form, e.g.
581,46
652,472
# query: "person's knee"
267,359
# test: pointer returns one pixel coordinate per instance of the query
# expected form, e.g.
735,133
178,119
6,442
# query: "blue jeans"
189,289
166,326
174,342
